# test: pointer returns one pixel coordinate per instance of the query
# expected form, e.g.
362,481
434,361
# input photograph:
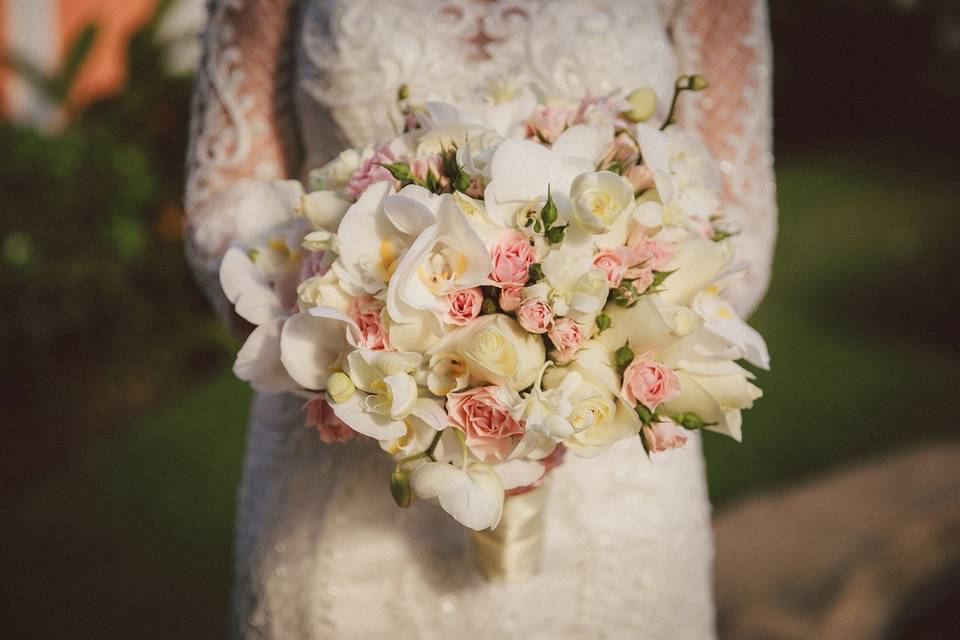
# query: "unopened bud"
643,104
698,82
403,92
400,486
340,387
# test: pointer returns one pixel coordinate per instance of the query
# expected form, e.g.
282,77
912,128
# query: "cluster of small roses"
495,286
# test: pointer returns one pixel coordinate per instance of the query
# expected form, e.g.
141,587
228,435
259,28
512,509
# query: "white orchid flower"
254,299
312,344
737,338
572,286
446,256
521,170
470,491
370,245
426,418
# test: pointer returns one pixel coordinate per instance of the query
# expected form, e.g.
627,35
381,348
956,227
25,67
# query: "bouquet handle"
513,551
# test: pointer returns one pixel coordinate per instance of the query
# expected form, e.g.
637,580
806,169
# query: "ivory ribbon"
512,552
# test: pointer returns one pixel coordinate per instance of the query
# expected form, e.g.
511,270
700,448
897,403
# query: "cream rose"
496,350
598,200
594,418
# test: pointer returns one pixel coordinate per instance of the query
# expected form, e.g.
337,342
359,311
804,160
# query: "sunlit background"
122,428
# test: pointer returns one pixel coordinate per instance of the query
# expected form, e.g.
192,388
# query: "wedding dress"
321,550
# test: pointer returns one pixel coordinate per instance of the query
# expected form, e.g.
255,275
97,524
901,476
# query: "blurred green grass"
134,535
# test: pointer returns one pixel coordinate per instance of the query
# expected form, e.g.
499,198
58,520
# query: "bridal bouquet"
496,285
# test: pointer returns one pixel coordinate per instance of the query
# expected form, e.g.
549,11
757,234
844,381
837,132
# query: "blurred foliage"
100,309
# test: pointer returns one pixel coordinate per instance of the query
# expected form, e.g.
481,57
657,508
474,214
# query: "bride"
321,551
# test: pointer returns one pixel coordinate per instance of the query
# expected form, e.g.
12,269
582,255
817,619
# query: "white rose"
497,350
599,198
324,209
596,418
322,290
336,173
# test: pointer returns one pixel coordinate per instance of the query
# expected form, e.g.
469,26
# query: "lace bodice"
321,552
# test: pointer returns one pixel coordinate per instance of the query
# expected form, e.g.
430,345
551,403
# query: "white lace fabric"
321,550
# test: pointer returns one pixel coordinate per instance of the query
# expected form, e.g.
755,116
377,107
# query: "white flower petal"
258,361
310,346
473,497
376,426
519,473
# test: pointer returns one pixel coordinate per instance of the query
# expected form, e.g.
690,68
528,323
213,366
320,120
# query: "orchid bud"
400,486
698,82
643,103
340,387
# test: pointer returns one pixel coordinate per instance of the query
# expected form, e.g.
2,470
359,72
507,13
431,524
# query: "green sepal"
603,322
555,234
623,357
549,213
488,306
691,420
399,170
534,273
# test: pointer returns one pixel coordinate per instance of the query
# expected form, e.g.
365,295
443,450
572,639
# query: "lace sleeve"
242,123
729,42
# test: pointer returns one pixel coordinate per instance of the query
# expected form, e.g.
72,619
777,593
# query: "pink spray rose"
613,263
647,252
510,298
464,306
640,177
320,416
535,315
511,258
490,431
366,312
421,168
642,278
547,123
566,336
663,436
648,382
623,151
371,172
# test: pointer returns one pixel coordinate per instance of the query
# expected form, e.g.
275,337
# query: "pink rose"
535,315
371,172
641,277
640,177
320,416
663,436
421,168
613,263
490,431
623,151
566,336
511,257
648,382
510,298
366,312
547,123
464,306
647,252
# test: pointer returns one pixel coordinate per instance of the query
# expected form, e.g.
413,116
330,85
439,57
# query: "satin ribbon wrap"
512,552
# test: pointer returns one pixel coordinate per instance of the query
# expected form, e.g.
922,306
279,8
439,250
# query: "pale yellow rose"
497,350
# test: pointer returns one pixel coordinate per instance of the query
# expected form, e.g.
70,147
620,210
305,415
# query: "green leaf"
719,235
659,277
77,53
534,273
433,183
462,181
